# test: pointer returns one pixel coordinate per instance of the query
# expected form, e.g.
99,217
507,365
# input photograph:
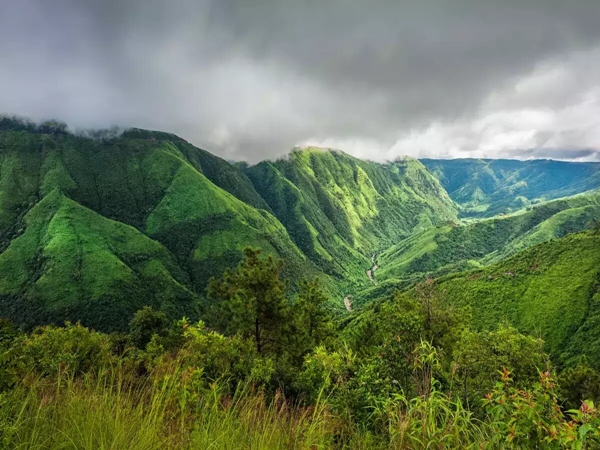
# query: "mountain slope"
70,263
552,289
158,193
339,210
485,187
457,247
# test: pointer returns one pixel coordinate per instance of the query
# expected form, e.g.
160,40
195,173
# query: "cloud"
250,79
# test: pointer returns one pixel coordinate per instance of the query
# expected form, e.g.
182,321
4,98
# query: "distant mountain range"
487,187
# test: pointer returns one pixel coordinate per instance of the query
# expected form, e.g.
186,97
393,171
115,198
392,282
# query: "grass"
108,412
112,411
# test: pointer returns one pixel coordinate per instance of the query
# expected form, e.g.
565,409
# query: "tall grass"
109,411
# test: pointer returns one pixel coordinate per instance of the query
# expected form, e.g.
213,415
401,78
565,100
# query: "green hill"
339,210
486,187
70,263
552,290
92,229
473,244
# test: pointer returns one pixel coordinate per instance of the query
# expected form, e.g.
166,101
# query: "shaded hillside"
485,187
457,247
84,223
339,210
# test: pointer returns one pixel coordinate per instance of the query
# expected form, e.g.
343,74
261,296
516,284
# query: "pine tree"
314,317
250,301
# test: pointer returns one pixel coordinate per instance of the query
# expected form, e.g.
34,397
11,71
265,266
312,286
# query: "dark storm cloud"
252,78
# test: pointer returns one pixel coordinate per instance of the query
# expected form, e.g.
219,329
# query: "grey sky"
249,79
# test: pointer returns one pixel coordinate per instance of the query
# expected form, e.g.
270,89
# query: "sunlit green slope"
340,210
552,290
465,246
70,263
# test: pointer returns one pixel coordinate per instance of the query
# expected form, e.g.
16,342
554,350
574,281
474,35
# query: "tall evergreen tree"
314,317
250,300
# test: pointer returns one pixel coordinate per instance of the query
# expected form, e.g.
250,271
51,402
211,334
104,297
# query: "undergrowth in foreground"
88,399
267,373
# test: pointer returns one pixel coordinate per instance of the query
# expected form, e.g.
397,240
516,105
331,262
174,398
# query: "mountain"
469,245
93,229
486,187
95,226
339,210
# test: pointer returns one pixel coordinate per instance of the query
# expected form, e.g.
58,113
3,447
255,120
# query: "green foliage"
549,290
146,323
74,389
313,315
451,248
250,300
61,351
578,383
534,420
478,355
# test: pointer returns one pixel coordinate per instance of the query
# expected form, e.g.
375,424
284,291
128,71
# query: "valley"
143,256
304,225
157,208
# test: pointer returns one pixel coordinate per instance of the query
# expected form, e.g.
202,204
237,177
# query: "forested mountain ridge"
469,245
339,209
486,187
94,227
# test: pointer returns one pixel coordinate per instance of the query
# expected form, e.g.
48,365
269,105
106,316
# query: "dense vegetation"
486,187
93,227
461,246
550,290
339,210
407,373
